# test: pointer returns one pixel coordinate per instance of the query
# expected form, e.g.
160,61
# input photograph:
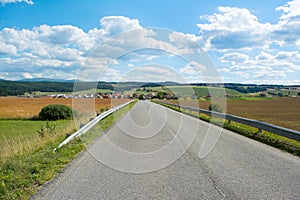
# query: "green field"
200,91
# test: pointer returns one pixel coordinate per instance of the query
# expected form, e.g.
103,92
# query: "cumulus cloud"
233,28
7,49
288,28
291,10
112,25
251,49
238,28
30,2
243,46
234,57
63,46
192,68
153,73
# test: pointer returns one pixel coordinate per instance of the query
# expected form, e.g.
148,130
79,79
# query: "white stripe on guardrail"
92,123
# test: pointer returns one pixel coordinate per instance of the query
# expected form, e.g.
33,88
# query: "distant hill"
20,87
17,88
45,80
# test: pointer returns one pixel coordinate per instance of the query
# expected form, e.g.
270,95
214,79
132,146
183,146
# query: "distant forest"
18,88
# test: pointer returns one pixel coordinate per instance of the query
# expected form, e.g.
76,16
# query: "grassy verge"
24,136
266,137
23,173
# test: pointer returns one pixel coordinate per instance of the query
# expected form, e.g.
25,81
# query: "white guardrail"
288,133
92,123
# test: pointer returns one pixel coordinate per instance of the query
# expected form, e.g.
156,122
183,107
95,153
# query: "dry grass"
283,112
16,108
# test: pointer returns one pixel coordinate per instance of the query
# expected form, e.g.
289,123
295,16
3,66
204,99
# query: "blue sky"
248,41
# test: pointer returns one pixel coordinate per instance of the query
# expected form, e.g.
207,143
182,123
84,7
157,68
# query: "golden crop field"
14,107
283,112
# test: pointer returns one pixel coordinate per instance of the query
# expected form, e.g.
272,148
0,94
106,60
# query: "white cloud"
27,75
264,56
112,25
186,42
233,28
192,68
234,57
245,47
7,49
153,73
291,10
231,19
238,28
288,28
287,55
30,2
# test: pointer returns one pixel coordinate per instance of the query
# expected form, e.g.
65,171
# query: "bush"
141,97
55,112
215,107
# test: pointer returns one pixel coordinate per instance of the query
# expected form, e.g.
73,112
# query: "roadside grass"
23,136
266,137
22,174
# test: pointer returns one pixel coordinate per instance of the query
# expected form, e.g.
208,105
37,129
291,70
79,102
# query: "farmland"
25,108
20,135
283,112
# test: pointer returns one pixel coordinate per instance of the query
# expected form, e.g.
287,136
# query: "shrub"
215,107
141,97
55,112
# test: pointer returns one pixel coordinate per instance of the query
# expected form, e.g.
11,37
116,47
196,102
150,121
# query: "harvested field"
283,112
19,108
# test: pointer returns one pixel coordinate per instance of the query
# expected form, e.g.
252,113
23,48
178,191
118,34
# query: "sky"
158,40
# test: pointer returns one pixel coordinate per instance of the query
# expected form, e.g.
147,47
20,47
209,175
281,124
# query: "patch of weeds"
46,129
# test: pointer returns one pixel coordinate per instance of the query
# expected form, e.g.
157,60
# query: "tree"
56,112
280,94
215,108
141,97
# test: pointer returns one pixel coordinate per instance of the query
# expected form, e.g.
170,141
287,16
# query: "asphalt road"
153,153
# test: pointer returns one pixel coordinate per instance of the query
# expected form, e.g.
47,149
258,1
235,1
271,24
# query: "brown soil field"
283,112
15,108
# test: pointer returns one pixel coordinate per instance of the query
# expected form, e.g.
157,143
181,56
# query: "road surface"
149,154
